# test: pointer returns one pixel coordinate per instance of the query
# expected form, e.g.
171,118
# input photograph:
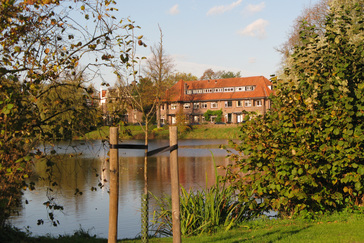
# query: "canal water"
81,173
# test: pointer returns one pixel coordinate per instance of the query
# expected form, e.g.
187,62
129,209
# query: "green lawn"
339,227
188,132
335,228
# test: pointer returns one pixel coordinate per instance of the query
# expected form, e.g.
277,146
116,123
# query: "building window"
204,105
187,105
189,91
228,104
195,119
247,103
214,105
162,107
240,88
250,88
207,90
239,103
258,103
217,90
173,106
197,91
196,105
228,89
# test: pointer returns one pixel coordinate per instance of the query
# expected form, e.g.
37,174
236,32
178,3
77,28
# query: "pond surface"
83,166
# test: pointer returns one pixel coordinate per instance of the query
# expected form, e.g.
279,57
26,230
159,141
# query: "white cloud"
252,9
174,10
223,8
255,29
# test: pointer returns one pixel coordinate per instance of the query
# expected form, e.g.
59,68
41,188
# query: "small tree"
158,69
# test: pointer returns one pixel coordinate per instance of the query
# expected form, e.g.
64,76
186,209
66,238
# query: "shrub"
307,153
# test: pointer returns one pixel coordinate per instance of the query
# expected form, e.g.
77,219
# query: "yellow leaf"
293,152
83,7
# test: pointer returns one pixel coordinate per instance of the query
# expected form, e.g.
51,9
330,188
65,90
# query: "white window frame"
186,105
227,104
196,105
250,88
204,105
173,106
214,105
228,89
258,103
239,103
247,103
189,91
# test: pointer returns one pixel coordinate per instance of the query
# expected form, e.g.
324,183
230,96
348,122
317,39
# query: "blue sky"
235,35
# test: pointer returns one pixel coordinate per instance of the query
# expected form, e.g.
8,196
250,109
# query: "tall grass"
201,211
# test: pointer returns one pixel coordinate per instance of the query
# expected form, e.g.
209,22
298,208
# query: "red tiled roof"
177,92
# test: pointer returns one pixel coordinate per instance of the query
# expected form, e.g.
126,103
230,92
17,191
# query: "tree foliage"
41,43
306,154
209,113
210,74
312,16
174,78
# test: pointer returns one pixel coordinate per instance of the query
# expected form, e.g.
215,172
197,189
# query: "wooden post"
114,187
176,228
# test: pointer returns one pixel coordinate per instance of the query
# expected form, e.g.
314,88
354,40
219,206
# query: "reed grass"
201,211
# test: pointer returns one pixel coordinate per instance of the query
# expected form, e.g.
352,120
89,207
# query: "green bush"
306,154
207,115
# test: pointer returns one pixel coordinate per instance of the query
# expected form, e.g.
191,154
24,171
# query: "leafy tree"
40,44
210,74
174,78
306,154
229,74
66,111
312,16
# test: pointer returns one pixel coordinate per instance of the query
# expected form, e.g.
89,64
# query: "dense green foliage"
209,113
307,154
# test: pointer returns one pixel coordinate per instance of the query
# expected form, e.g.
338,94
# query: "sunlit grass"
192,132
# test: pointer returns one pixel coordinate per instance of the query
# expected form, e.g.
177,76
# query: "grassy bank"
187,132
339,227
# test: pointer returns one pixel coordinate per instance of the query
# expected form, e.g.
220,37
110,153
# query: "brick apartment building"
232,96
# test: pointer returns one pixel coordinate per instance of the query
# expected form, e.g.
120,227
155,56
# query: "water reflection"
84,172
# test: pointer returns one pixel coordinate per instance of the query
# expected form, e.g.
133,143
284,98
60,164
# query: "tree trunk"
158,114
